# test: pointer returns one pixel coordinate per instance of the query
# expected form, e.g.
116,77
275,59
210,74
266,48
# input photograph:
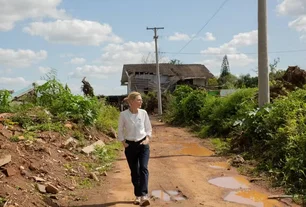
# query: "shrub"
220,113
275,135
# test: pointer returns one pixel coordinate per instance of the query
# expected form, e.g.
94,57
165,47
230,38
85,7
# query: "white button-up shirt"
134,127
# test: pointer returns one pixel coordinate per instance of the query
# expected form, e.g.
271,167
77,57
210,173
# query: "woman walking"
135,131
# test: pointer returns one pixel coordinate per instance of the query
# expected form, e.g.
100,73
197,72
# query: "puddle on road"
195,150
220,165
252,198
236,182
169,195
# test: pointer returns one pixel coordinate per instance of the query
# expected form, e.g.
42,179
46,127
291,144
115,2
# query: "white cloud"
291,7
44,70
244,39
20,58
209,37
95,71
239,40
179,37
296,9
75,31
185,37
77,61
10,83
230,49
299,24
12,11
114,56
126,53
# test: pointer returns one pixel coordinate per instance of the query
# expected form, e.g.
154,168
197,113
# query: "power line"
237,53
217,11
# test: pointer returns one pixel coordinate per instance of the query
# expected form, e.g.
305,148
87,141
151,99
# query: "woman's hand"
146,141
125,145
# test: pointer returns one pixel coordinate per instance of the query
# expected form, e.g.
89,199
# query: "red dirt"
176,163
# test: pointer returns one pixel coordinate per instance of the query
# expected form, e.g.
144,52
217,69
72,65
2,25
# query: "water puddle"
220,165
169,195
252,198
236,182
195,150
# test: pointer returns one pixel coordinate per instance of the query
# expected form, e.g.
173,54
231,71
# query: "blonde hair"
132,96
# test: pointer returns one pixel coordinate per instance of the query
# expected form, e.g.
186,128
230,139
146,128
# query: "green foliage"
246,81
272,136
191,105
218,115
222,146
213,82
107,118
149,101
61,103
2,201
107,154
227,81
55,104
5,100
85,183
225,68
174,113
175,62
276,136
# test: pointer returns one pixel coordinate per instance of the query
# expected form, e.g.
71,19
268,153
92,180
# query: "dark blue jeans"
137,156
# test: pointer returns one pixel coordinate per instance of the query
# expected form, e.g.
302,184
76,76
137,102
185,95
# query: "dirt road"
182,174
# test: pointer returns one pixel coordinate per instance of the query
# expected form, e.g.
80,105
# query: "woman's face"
136,103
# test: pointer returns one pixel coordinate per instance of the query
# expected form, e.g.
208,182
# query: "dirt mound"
293,78
45,168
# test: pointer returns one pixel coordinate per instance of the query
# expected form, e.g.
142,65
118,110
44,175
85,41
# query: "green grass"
221,145
107,154
85,183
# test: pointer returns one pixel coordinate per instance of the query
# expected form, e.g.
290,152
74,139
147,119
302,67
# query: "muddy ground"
184,172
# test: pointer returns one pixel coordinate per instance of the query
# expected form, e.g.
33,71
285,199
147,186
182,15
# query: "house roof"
183,71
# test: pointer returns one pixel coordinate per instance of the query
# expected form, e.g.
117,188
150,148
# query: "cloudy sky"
94,38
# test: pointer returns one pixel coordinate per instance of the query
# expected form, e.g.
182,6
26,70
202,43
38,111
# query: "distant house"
23,93
142,77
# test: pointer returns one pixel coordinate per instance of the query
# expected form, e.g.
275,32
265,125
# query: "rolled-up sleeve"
148,126
121,128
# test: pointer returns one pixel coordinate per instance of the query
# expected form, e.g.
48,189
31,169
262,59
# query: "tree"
213,82
225,68
175,62
226,79
87,88
246,81
274,72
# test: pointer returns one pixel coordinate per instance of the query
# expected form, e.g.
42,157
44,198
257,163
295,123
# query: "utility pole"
160,110
263,69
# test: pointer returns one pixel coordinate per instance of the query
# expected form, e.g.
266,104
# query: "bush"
191,106
107,118
60,102
220,113
5,99
276,137
174,112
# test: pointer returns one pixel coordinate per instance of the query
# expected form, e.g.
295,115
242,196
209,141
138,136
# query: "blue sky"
94,38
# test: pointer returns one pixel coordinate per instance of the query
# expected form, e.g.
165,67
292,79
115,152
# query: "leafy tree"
175,62
213,82
246,81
